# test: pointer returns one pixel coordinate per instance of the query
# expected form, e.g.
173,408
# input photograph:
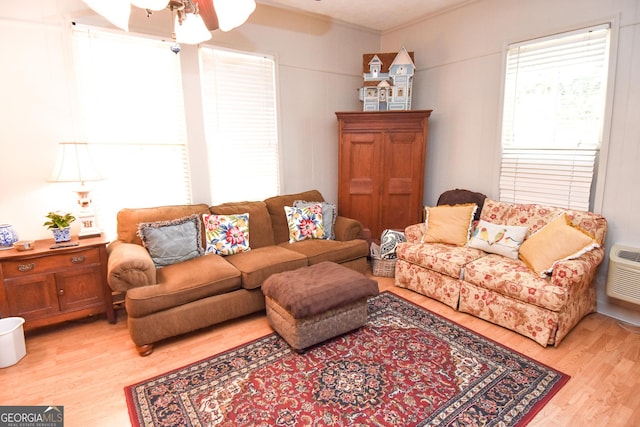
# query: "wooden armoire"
381,167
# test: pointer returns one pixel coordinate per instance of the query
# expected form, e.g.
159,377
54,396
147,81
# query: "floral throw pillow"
329,214
226,234
305,223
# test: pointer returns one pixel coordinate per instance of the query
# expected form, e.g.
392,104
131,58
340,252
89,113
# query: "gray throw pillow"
170,242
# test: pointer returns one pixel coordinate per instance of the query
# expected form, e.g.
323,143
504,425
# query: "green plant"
59,220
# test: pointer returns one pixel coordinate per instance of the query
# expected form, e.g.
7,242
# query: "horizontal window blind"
240,120
131,108
550,177
553,116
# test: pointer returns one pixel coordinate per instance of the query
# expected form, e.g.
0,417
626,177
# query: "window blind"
240,121
553,116
551,177
131,106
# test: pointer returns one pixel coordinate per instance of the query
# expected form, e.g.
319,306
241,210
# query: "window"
240,122
553,118
131,107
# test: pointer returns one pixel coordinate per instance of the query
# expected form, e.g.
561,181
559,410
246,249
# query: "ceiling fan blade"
208,14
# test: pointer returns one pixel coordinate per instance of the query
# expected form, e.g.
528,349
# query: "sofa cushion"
537,216
329,214
275,206
259,220
183,283
329,250
558,240
171,242
498,239
128,219
445,259
258,264
514,279
226,234
496,211
305,223
449,224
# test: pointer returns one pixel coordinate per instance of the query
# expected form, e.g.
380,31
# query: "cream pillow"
556,241
449,224
503,240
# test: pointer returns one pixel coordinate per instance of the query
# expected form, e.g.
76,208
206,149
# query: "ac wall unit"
623,280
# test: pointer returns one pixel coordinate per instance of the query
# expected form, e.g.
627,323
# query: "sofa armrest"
129,266
579,273
414,233
346,228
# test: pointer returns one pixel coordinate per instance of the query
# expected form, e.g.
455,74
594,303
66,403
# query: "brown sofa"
210,289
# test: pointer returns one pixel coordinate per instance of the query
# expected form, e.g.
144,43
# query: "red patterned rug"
406,367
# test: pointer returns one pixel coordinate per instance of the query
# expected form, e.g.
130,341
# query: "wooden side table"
47,286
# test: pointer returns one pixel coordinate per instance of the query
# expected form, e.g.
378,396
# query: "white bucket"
12,347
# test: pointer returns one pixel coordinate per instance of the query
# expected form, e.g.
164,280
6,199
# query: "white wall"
319,71
459,56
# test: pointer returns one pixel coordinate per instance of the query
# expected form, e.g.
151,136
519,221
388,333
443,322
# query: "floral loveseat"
539,287
173,285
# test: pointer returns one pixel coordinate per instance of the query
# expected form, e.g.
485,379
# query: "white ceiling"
380,15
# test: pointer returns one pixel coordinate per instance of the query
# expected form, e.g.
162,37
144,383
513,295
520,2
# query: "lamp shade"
74,164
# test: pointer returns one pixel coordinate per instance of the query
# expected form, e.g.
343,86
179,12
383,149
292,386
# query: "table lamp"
74,164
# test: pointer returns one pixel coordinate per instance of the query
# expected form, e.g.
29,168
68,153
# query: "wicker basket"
381,267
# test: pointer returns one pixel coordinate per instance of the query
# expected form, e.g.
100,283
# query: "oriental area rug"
406,367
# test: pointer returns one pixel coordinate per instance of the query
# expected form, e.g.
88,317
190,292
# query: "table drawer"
50,263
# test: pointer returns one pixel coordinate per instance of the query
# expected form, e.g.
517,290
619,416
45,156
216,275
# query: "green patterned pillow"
170,242
226,234
305,223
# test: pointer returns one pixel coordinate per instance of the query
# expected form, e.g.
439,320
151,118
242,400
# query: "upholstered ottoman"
312,304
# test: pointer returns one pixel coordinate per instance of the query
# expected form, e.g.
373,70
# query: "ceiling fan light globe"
233,13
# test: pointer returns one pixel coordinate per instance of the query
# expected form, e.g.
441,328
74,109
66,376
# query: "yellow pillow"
556,241
449,224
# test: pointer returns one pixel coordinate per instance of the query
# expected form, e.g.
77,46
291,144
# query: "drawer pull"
60,292
26,267
78,259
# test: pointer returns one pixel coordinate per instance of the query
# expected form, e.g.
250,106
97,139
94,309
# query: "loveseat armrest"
346,228
129,266
415,232
576,274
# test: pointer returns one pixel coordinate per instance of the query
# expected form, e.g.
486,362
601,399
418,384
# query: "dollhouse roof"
403,57
385,58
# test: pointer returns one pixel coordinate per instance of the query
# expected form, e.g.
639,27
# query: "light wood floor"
85,365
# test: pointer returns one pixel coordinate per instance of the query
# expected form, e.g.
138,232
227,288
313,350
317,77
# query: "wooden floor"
85,365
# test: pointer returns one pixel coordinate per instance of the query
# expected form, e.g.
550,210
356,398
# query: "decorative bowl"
24,245
8,236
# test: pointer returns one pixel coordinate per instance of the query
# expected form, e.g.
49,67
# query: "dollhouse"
387,81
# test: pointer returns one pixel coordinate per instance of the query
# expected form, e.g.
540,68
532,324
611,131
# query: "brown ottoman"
312,304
